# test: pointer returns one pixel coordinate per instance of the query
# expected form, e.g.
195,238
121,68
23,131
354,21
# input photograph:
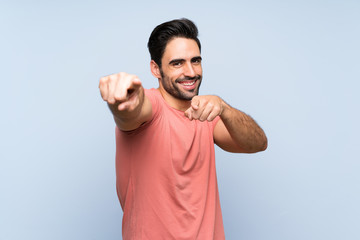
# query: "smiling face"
181,71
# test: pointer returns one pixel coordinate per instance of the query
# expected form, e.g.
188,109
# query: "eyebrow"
183,60
196,58
176,60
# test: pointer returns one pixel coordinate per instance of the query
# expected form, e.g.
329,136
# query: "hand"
121,89
205,108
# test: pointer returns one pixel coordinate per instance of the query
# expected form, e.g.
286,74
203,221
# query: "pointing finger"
195,102
127,86
188,113
134,85
136,82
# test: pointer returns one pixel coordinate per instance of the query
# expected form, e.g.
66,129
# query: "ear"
155,70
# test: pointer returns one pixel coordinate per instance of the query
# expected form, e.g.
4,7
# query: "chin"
187,97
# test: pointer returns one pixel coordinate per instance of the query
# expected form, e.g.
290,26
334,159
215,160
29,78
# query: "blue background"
292,65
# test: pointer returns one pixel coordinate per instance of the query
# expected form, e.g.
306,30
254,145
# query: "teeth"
188,83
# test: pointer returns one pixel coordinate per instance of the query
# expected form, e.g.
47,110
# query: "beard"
174,90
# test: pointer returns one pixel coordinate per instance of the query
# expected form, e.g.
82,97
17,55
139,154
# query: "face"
181,71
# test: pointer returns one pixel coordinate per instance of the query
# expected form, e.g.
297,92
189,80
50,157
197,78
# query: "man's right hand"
121,90
126,99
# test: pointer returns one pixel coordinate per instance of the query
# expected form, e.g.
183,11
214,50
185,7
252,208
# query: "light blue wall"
292,65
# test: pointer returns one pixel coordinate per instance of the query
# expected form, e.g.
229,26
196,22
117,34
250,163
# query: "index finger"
195,103
135,84
126,87
188,113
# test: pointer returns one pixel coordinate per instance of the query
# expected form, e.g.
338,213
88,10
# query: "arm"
235,131
126,99
238,132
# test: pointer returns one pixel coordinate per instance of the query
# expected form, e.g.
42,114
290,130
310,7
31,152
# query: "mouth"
188,85
187,82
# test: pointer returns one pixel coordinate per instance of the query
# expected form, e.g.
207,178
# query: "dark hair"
165,32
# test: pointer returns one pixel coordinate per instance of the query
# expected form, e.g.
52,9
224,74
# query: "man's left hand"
205,108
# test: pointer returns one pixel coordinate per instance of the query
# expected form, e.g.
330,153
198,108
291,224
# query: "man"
165,160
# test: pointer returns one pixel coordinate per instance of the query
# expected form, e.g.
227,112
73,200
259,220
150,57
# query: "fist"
121,89
204,108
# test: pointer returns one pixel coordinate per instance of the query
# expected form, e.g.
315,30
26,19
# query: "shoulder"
153,95
150,92
155,98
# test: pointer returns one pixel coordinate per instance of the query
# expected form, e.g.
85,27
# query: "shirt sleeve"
214,122
152,95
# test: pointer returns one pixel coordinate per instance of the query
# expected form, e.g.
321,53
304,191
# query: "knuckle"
119,76
117,95
112,77
217,108
103,80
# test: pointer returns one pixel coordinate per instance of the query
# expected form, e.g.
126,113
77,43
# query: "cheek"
172,72
198,69
178,73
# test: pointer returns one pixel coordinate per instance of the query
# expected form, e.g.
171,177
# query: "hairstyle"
165,32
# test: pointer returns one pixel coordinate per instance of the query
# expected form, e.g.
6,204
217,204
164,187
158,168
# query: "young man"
165,160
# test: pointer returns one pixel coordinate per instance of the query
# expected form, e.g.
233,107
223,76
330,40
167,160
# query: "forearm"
244,131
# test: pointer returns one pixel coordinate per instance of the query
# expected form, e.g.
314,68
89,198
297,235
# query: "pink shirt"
166,177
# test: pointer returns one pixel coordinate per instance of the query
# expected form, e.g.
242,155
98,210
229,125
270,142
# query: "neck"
178,104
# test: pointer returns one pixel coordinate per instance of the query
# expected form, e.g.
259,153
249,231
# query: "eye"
176,63
196,61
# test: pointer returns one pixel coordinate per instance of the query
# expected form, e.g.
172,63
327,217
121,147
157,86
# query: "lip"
188,84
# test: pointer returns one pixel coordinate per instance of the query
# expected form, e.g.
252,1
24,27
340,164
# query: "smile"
188,83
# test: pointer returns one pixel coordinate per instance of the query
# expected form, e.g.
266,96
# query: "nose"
189,70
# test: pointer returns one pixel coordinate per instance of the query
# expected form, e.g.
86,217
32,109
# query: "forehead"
181,48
